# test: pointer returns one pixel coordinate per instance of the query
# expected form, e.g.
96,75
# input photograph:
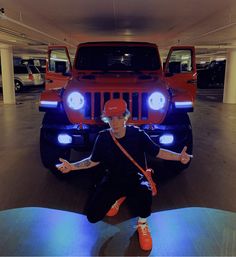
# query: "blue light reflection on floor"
187,231
194,231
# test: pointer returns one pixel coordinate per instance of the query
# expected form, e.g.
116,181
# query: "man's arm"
84,164
183,157
66,167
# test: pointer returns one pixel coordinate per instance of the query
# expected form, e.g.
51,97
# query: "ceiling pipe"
215,46
210,32
3,16
18,37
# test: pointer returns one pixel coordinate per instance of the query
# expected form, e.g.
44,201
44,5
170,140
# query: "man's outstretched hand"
64,166
184,156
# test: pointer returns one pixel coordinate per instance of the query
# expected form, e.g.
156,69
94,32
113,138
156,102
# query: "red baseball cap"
114,107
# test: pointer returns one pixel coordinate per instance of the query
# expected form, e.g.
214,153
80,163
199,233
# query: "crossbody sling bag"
147,173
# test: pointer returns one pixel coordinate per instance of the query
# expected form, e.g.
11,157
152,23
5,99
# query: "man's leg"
102,199
142,200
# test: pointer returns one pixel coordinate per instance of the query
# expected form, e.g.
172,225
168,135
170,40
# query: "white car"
25,75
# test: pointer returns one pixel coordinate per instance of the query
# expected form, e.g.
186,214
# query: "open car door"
58,69
180,72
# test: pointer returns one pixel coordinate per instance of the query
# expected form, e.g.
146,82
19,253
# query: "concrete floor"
209,184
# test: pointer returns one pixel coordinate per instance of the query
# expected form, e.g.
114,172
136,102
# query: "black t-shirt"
136,142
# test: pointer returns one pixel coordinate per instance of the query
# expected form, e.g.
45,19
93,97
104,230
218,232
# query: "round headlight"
156,101
75,100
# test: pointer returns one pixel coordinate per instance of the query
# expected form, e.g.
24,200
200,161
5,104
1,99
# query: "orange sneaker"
144,235
115,207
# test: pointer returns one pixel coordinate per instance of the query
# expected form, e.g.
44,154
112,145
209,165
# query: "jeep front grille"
136,103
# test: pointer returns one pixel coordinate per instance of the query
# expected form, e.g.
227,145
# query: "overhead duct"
215,46
5,17
20,36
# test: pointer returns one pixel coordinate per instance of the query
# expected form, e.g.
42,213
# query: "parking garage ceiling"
30,26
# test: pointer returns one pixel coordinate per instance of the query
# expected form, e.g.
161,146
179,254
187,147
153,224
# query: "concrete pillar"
230,78
8,87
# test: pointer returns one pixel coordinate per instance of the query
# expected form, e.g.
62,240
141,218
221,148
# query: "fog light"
64,139
166,139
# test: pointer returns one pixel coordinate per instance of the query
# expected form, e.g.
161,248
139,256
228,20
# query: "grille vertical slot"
135,106
97,105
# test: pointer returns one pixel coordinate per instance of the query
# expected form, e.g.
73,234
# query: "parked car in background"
211,75
25,75
40,63
37,76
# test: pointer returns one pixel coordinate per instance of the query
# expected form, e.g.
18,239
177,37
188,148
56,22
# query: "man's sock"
142,220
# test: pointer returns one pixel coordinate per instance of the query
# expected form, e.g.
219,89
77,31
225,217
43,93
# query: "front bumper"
84,136
182,135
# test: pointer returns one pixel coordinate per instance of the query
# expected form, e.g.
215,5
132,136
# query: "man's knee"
92,219
93,216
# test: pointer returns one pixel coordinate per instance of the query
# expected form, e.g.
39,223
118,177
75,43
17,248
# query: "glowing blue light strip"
187,104
48,103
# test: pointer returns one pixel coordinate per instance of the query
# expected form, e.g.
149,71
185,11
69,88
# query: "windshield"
20,69
125,58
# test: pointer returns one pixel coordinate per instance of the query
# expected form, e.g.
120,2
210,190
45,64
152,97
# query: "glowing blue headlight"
64,139
75,100
156,101
166,139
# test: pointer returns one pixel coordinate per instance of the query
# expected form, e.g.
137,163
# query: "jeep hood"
136,86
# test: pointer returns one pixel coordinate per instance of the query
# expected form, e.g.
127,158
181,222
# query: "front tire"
164,168
177,166
18,86
51,153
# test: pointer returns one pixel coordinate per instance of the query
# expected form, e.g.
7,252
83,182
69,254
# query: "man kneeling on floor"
122,178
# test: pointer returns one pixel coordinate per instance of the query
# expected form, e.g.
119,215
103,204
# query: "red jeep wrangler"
159,100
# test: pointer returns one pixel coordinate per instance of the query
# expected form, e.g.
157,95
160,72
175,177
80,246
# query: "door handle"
49,81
